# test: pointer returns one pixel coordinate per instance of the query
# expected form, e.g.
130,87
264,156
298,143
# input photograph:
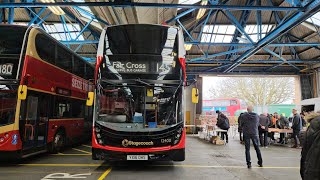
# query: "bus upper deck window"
233,103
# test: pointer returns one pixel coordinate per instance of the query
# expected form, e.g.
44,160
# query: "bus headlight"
1,140
100,141
98,135
97,129
177,136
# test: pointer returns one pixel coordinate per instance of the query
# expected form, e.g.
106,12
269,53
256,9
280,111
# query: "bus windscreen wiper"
142,82
9,81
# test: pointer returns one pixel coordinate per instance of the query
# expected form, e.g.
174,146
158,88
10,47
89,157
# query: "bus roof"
160,25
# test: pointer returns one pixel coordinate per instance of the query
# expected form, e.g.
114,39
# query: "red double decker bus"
43,89
139,95
228,106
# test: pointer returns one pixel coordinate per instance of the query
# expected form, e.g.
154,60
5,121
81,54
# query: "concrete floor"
204,161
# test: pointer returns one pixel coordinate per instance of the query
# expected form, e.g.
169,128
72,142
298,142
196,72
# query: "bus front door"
35,123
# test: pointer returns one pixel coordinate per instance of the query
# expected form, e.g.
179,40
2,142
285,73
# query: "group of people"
252,126
279,121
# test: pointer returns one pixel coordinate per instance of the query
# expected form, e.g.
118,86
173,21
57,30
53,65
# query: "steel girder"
154,5
291,44
311,7
256,61
242,23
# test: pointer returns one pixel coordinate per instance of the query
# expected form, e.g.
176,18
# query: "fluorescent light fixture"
55,9
187,46
202,11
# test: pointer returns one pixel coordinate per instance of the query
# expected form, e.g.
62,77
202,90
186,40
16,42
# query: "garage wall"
307,86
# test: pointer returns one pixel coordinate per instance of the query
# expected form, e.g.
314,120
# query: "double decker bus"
139,94
43,90
228,106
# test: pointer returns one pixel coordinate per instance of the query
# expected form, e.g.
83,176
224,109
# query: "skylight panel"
85,8
315,19
217,33
188,1
252,31
224,33
58,31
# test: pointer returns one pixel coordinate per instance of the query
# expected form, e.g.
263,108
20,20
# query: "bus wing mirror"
90,98
22,92
195,95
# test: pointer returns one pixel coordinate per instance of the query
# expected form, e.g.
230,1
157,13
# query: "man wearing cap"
296,127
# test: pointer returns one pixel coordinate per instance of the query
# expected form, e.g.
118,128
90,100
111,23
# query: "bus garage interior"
56,84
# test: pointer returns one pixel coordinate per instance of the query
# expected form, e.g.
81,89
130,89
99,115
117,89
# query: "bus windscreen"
11,40
140,58
142,50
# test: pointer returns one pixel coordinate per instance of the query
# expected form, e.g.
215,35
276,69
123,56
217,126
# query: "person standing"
223,123
263,130
240,128
272,124
310,154
282,123
296,127
250,124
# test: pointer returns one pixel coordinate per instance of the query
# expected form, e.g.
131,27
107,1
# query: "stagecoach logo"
126,143
129,67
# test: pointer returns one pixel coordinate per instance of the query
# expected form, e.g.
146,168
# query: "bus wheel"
58,142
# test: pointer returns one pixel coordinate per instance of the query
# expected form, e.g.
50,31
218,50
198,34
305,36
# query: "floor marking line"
66,165
86,145
239,167
71,154
87,152
105,174
166,165
38,172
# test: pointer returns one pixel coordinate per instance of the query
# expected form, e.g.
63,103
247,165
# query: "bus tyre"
58,142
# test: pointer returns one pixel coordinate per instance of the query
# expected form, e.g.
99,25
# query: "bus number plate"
137,157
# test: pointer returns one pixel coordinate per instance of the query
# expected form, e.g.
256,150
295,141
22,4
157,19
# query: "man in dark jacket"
282,123
263,130
223,123
240,128
310,155
250,124
296,127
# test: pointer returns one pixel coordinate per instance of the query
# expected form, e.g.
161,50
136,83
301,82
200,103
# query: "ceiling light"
187,46
202,11
55,9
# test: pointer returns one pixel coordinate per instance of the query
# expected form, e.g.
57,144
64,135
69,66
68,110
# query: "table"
277,130
212,129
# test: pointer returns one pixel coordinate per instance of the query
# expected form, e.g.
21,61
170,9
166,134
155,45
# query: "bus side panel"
73,128
12,142
46,77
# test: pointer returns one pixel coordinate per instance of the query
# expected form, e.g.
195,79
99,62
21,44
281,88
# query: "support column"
189,108
11,14
297,90
317,83
193,111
